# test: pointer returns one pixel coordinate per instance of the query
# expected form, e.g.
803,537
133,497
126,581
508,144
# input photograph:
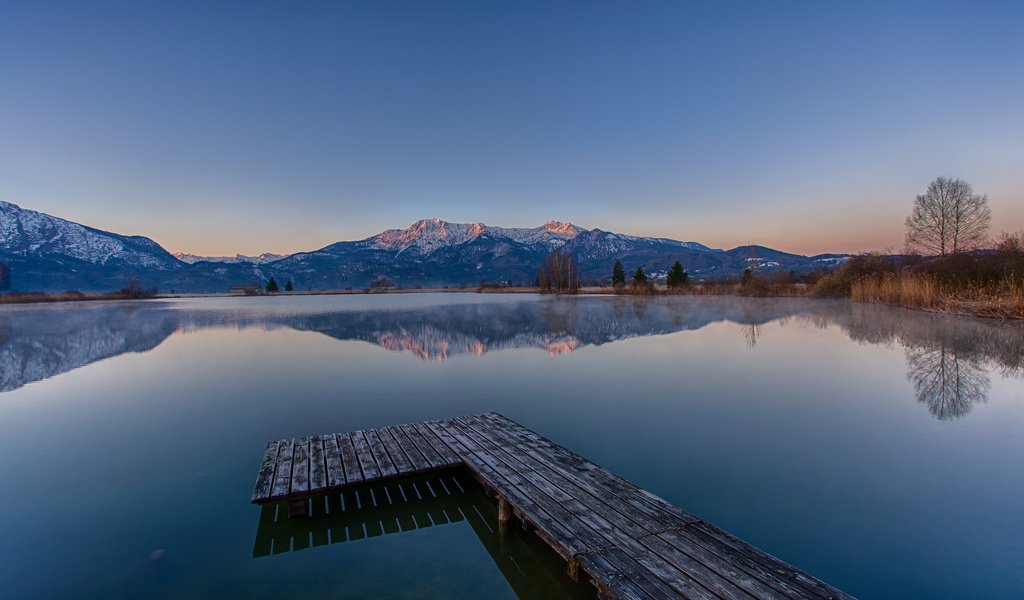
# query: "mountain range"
47,253
266,257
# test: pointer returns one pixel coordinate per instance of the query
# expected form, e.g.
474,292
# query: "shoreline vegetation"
988,284
984,284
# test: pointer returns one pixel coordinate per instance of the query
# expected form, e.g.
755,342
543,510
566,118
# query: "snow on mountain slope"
42,252
428,235
28,232
264,258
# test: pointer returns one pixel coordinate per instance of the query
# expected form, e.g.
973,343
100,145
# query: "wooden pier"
627,541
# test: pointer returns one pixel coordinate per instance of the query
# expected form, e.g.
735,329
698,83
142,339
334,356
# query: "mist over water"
877,448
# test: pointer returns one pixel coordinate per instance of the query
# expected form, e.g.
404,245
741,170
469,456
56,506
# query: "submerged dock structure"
627,541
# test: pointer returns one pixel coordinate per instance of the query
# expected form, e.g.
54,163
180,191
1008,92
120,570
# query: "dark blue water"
879,449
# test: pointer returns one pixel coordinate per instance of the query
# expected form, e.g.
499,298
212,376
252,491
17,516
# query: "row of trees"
559,274
677,276
272,287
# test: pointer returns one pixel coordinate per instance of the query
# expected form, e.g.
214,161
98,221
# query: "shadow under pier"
434,499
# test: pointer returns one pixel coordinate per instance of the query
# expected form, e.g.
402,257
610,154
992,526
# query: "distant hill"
266,257
50,254
46,253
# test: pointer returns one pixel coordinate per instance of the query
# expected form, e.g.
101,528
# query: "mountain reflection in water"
948,358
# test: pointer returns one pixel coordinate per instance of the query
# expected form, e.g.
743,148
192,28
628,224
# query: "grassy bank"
31,297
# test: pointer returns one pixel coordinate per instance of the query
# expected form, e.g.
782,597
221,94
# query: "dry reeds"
1004,299
907,289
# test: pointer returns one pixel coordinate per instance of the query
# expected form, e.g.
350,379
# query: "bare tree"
948,218
559,274
1008,243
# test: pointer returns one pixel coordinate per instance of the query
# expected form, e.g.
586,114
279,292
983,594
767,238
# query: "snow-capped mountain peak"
561,228
427,235
30,233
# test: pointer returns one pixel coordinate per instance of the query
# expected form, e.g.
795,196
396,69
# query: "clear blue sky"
807,126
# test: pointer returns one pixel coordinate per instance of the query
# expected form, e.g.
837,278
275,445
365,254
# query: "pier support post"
504,515
573,569
298,508
504,510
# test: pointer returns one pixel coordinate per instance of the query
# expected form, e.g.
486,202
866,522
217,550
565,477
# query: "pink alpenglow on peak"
427,235
561,228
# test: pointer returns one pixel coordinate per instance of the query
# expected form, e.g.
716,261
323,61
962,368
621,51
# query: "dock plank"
380,454
767,562
349,461
317,464
448,456
403,466
419,462
426,449
332,455
657,509
631,542
283,473
368,464
265,477
300,467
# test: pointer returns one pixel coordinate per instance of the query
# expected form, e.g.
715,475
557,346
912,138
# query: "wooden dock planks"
317,465
265,479
631,543
283,473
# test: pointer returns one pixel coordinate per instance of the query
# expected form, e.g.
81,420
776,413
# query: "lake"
878,448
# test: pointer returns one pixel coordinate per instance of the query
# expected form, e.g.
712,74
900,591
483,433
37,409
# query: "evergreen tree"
677,276
272,286
5,277
747,276
639,278
618,274
288,287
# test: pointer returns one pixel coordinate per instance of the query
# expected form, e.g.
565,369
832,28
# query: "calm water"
877,448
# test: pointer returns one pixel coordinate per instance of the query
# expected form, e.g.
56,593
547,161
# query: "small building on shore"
246,289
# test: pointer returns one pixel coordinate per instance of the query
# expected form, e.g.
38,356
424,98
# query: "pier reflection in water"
438,499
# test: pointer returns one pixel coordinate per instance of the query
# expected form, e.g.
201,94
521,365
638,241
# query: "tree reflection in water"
947,383
751,332
949,359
